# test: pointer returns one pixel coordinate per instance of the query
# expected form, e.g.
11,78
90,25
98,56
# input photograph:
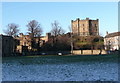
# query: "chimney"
21,34
107,33
87,18
78,18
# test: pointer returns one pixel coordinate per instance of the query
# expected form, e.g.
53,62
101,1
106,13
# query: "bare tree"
56,29
12,29
34,28
56,32
71,34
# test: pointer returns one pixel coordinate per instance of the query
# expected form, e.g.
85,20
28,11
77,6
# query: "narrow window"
95,25
83,29
83,33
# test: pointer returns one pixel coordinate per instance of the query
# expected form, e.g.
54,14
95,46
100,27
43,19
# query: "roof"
113,34
5,35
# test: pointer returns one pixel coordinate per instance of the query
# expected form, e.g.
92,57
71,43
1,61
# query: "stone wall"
75,52
88,52
7,45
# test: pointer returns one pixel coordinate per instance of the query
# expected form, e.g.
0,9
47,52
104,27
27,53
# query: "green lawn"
26,60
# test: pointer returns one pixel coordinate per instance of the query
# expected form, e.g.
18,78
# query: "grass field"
61,68
60,59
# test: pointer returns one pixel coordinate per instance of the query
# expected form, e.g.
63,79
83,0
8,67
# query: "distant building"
112,41
45,39
85,27
7,45
26,42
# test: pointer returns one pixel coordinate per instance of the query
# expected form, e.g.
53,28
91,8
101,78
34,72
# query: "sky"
47,12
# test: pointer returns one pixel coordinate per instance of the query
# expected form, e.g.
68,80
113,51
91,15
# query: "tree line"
58,41
33,27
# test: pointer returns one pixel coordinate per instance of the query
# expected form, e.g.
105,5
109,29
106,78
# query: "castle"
85,27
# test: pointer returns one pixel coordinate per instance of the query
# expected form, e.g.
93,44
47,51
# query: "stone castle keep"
85,27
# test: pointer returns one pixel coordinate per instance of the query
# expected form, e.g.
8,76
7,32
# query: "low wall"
88,52
75,52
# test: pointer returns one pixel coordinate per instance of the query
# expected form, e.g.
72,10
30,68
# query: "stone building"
44,39
7,45
26,42
112,41
85,27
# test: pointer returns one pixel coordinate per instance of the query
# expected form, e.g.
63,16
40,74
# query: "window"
95,25
96,29
83,24
83,29
83,33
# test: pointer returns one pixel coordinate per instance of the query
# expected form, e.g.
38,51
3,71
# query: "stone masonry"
85,27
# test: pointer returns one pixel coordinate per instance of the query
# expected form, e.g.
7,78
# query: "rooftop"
112,34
